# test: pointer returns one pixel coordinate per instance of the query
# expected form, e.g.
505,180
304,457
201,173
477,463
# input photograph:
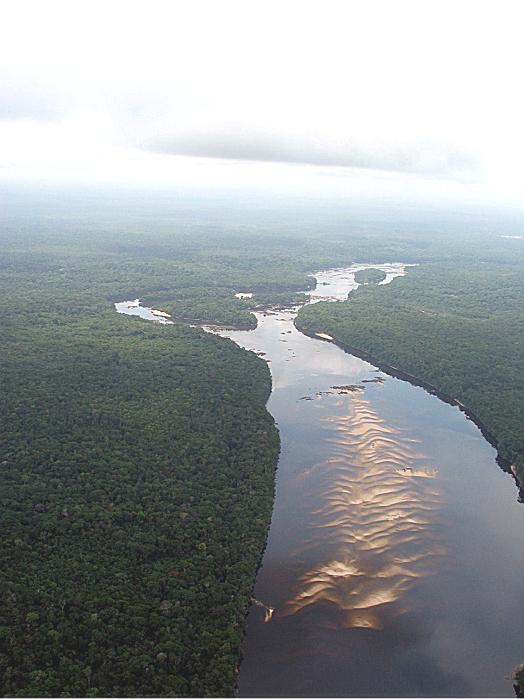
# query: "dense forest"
137,461
137,466
457,327
137,473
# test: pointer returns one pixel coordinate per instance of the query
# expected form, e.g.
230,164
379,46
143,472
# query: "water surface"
394,561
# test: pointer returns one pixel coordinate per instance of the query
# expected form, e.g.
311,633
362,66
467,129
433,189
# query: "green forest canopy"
370,276
137,461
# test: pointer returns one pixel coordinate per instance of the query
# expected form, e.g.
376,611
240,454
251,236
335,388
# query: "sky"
330,95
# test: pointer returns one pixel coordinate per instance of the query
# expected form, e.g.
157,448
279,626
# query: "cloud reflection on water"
375,531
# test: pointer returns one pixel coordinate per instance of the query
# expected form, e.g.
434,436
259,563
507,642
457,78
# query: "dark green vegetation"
370,276
457,327
137,467
215,302
137,461
136,473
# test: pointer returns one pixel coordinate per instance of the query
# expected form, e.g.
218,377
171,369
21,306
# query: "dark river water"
394,564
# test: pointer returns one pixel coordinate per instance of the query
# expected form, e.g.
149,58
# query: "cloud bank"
247,144
428,88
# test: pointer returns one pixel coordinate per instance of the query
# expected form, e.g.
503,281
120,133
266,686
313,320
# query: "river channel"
394,564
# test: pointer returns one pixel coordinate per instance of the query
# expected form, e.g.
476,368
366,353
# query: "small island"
370,276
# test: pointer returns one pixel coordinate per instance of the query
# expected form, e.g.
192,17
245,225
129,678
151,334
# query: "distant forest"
137,461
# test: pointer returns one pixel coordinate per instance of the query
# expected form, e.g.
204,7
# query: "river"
394,561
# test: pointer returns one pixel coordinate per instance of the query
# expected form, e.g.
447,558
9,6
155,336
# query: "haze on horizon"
333,96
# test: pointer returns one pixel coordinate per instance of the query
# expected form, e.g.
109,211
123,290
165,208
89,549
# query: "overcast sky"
423,91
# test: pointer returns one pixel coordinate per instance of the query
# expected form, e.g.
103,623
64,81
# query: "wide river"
394,564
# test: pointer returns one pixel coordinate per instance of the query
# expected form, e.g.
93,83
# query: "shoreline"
390,370
506,465
397,373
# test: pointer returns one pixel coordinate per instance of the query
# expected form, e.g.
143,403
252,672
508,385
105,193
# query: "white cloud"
430,87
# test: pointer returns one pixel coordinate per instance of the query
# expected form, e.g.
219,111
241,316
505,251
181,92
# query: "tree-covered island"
370,276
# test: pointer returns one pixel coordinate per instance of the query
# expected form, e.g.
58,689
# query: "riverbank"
348,488
348,493
452,328
518,680
504,463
